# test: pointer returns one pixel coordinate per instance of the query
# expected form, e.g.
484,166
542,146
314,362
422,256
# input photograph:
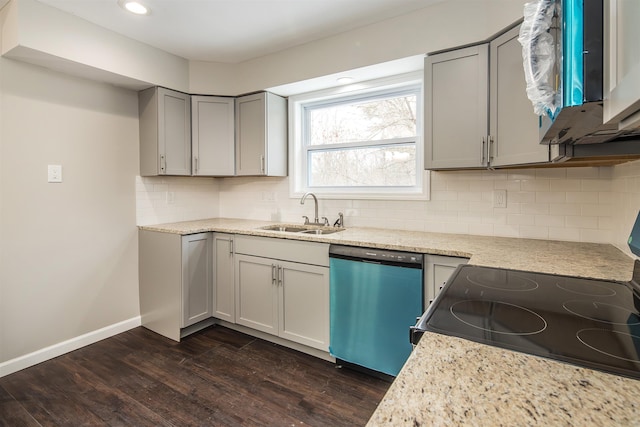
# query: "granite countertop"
598,261
452,381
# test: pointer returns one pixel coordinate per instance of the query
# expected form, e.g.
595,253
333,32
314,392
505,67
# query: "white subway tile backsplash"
550,220
581,197
533,232
582,222
171,199
551,197
567,185
552,173
596,185
564,233
536,185
583,173
520,219
521,197
591,204
534,208
565,209
595,236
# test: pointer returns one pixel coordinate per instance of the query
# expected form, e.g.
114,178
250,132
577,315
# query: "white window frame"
298,154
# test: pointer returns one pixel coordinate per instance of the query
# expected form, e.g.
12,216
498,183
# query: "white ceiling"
233,31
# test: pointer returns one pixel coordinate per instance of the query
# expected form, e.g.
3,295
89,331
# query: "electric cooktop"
592,323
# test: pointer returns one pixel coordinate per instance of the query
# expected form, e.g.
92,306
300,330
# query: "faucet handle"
340,221
325,221
306,219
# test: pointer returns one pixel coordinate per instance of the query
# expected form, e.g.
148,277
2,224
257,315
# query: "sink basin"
302,229
321,231
288,228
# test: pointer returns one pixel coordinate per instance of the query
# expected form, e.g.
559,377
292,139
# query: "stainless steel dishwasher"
375,296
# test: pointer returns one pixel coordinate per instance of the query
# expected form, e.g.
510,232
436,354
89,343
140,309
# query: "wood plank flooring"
216,377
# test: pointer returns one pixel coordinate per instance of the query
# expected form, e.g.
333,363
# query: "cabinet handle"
482,150
489,150
196,167
163,164
273,274
280,275
262,163
230,247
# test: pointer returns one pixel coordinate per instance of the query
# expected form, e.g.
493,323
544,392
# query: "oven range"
587,322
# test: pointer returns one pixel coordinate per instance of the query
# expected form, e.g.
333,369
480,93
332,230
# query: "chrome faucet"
316,220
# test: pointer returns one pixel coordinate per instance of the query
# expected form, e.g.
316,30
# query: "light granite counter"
449,381
599,261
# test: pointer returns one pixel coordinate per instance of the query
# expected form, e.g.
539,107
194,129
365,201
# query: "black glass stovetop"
592,323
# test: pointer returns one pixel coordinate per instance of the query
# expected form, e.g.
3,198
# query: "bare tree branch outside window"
368,143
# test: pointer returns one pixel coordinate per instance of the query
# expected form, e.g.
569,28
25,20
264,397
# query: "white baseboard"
31,359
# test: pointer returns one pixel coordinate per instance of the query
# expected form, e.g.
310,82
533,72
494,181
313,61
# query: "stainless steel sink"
321,231
302,229
287,228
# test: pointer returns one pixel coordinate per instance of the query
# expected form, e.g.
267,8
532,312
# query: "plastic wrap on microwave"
539,57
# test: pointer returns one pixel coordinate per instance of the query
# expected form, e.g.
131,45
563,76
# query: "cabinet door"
437,271
196,278
622,63
304,304
251,131
514,127
213,142
174,132
224,298
456,108
257,293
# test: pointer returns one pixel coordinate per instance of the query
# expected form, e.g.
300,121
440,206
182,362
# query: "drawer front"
290,250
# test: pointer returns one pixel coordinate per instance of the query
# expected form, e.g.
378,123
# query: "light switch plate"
55,173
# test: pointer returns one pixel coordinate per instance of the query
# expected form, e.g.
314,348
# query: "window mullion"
357,144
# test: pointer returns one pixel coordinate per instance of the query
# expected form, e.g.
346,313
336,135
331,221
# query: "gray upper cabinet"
455,108
513,126
622,63
261,135
213,142
165,132
477,113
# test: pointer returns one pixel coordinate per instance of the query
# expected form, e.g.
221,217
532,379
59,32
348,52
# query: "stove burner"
498,317
502,280
585,287
602,312
618,344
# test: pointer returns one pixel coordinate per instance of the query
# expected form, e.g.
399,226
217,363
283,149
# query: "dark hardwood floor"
216,377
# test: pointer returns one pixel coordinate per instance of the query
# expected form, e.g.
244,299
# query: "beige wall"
68,251
440,26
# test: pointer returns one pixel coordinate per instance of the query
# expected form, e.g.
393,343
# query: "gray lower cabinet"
224,295
282,288
175,274
437,270
261,135
165,132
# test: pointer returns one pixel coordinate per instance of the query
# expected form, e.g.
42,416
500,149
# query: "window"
360,143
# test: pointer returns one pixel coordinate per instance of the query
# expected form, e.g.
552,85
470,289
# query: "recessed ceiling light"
345,80
134,7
